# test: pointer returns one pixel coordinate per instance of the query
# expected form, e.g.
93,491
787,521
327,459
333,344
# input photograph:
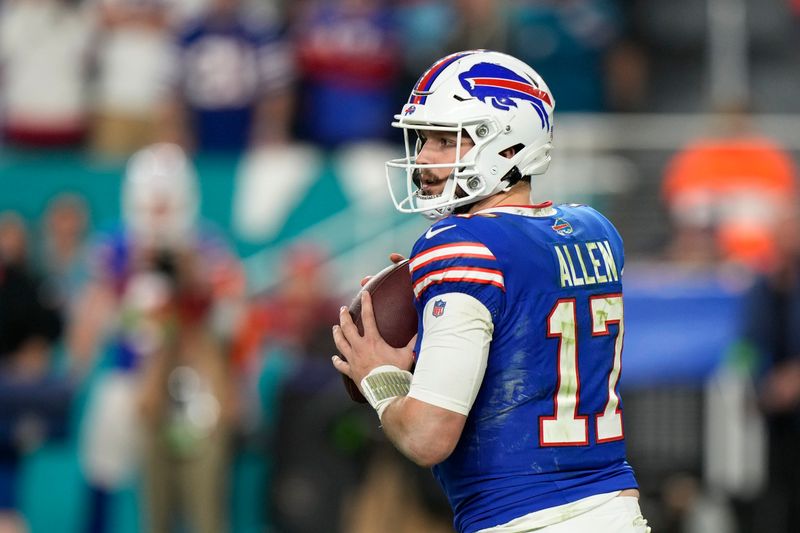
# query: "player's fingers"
341,341
396,258
367,314
365,280
348,328
341,365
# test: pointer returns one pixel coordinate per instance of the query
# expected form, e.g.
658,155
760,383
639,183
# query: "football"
395,314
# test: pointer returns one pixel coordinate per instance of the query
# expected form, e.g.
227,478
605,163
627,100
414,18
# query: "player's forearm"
424,433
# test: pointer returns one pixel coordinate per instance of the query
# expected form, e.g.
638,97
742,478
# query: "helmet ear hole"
511,151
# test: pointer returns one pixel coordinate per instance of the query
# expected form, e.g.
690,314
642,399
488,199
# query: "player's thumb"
411,343
409,349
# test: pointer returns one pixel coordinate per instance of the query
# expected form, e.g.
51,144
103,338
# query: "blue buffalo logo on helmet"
502,86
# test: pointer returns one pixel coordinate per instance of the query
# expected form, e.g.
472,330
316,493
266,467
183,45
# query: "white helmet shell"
496,99
160,200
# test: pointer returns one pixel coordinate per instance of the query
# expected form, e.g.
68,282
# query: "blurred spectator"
63,246
627,71
44,47
350,61
724,194
131,78
567,42
772,316
30,405
479,24
164,302
30,319
233,75
425,28
302,303
292,314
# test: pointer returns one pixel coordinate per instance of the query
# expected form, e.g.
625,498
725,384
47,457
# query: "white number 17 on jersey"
566,427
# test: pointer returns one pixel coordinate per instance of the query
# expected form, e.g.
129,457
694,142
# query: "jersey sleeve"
449,258
453,353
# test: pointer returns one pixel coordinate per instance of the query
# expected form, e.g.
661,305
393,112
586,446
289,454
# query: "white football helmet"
496,99
160,200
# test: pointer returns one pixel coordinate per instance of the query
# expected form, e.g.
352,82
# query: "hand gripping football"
395,314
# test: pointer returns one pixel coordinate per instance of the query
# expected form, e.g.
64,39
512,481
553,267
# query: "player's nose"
424,156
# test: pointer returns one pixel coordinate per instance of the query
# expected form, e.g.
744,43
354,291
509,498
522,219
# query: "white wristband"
383,384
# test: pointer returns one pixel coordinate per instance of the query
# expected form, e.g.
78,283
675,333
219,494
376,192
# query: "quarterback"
514,398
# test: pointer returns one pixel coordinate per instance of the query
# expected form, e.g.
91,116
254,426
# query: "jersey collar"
544,209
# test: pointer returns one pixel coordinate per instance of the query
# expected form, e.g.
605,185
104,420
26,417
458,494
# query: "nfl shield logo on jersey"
438,307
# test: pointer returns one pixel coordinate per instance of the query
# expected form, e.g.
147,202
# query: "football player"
514,398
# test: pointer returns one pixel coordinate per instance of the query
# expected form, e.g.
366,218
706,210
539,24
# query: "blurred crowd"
115,75
142,342
180,371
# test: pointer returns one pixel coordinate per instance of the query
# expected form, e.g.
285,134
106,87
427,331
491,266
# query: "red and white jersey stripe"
449,251
464,275
454,272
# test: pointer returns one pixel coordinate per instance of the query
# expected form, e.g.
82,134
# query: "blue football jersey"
546,427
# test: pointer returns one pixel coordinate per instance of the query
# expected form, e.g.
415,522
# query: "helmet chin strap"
512,177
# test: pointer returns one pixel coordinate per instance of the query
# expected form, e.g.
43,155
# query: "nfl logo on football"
438,307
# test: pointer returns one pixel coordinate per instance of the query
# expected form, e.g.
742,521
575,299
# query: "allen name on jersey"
585,263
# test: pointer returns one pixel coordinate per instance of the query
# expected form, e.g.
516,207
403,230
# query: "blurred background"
190,188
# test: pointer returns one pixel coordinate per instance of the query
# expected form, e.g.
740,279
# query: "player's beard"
423,177
426,176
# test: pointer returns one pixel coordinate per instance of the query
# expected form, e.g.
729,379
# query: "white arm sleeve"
454,352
